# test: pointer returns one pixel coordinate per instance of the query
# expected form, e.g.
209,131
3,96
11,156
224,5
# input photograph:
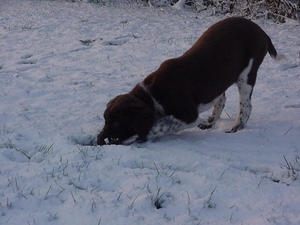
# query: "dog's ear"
141,118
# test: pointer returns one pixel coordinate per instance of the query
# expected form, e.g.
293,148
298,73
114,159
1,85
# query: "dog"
171,98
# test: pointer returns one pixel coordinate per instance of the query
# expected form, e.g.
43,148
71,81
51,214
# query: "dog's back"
222,56
215,61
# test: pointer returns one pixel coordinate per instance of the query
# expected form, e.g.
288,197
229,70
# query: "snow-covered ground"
61,62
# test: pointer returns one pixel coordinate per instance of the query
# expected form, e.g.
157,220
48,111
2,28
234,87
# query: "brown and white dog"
171,98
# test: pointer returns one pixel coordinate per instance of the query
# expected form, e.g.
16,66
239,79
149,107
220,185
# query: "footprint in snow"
116,42
288,66
120,40
27,62
293,106
26,59
87,42
26,56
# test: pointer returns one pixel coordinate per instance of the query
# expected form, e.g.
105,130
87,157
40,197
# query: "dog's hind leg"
216,113
245,87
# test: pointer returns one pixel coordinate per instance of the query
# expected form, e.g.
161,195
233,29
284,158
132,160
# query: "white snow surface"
61,62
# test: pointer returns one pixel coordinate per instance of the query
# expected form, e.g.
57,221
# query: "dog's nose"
100,139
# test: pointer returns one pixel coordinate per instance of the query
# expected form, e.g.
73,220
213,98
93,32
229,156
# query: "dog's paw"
205,125
235,128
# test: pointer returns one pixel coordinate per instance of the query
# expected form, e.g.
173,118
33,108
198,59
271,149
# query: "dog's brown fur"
180,85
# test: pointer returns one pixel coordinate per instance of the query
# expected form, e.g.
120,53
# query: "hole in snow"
158,204
84,140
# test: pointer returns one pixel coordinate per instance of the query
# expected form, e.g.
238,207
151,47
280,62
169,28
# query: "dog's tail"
271,49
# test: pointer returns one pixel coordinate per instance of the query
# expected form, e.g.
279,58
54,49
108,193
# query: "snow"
61,62
179,5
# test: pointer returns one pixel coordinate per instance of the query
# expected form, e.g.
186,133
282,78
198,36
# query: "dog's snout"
100,141
101,138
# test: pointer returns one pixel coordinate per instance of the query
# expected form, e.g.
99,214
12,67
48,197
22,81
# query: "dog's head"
125,116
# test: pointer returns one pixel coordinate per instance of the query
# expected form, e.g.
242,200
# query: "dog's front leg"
168,125
164,126
161,127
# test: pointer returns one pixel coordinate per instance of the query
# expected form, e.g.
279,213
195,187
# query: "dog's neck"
159,110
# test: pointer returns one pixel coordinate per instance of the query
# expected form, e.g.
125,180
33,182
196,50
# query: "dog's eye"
115,125
105,115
